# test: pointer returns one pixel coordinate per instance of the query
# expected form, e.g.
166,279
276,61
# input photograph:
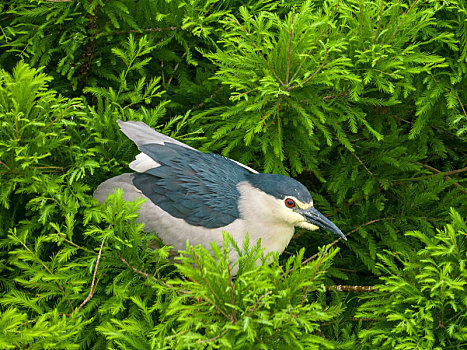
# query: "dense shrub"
363,101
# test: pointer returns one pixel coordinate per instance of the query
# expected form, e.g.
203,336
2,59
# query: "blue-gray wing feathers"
197,187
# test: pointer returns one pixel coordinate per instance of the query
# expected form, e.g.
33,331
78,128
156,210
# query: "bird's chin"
307,226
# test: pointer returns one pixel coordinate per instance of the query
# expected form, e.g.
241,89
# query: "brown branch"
6,166
258,302
361,20
73,243
348,234
356,289
58,117
175,69
48,270
89,52
289,52
314,74
232,301
460,103
142,273
92,290
215,338
453,172
447,177
379,22
262,56
210,287
363,164
314,274
330,97
401,21
146,30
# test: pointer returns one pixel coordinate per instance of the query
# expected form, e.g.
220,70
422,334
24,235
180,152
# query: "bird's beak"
314,217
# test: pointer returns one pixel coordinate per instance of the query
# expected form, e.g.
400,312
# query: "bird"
195,196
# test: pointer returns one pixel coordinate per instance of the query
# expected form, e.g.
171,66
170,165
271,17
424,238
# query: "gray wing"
197,187
142,134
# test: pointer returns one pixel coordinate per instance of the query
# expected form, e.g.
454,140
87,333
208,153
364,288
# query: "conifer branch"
258,302
355,289
232,301
47,269
145,274
460,103
92,289
316,42
147,30
224,332
6,166
89,52
401,21
338,239
73,243
379,21
445,175
314,74
363,164
314,274
210,287
59,116
175,69
289,52
361,20
259,51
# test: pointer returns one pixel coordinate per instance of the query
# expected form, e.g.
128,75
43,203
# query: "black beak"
314,217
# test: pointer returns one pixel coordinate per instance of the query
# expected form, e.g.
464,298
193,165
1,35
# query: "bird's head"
286,199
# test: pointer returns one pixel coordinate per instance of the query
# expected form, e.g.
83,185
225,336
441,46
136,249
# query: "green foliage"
363,101
422,303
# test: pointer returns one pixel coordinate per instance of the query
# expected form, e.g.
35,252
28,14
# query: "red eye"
289,203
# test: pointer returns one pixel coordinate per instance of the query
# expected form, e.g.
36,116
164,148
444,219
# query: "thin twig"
314,274
92,289
314,74
363,164
146,30
316,41
453,172
6,166
460,103
73,243
215,338
401,21
347,235
258,302
256,47
361,20
447,177
58,117
343,93
175,69
356,289
232,301
210,287
379,22
289,52
48,270
142,273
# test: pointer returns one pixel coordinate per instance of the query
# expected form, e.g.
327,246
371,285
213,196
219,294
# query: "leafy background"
363,101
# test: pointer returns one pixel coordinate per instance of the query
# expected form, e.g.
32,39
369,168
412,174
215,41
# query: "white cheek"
307,226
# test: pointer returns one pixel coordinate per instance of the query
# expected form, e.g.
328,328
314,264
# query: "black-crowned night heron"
196,196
